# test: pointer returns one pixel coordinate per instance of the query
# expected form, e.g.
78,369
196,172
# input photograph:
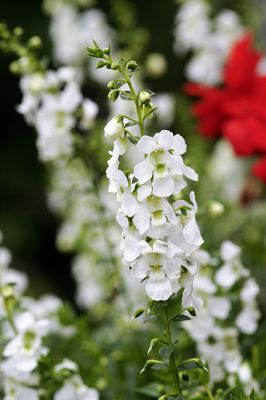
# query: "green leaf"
149,112
138,312
192,311
130,124
150,92
150,318
153,344
100,64
134,141
126,95
192,363
180,317
152,364
166,351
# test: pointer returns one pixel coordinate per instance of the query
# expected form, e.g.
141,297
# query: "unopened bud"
113,95
106,51
112,85
144,97
115,128
132,66
114,65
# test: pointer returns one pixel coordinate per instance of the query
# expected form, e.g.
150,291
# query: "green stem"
135,99
176,380
209,394
133,93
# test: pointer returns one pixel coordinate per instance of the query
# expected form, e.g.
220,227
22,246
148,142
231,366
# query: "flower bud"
132,66
144,97
106,51
115,128
100,64
114,65
113,95
112,85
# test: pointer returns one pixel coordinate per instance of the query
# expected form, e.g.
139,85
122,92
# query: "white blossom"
75,389
210,41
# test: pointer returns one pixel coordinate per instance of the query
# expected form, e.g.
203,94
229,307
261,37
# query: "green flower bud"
113,95
98,53
100,64
112,85
114,66
144,97
106,51
132,66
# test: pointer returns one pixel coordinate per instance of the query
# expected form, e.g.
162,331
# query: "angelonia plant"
201,305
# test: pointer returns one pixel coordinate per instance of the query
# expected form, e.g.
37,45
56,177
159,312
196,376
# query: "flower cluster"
25,324
159,233
226,290
159,230
53,103
236,110
210,41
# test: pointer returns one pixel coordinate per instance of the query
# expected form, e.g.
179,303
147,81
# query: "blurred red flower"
237,110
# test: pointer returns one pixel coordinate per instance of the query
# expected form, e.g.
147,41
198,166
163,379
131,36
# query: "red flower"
238,109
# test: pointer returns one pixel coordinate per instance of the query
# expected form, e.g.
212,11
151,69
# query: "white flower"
158,267
89,113
114,129
232,270
211,41
16,391
66,364
116,177
192,25
75,389
26,347
163,163
247,319
71,32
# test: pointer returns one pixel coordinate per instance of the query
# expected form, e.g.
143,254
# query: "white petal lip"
158,286
140,268
129,205
142,220
163,187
